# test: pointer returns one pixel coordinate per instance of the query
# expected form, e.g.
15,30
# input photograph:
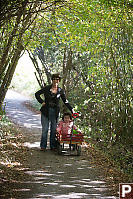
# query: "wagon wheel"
59,149
78,150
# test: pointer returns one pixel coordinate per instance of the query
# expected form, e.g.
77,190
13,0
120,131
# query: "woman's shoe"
43,149
53,149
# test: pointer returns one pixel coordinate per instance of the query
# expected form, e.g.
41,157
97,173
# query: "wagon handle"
75,115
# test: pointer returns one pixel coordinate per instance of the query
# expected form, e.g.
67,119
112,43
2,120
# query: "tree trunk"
41,56
40,79
41,71
67,67
4,58
9,74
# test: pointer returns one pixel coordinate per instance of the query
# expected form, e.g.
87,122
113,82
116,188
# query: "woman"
50,110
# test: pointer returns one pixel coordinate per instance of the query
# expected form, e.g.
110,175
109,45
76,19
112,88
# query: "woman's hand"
73,111
43,104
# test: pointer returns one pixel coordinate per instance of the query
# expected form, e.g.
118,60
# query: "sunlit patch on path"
19,113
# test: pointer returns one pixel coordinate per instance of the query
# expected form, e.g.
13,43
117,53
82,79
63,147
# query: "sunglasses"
55,79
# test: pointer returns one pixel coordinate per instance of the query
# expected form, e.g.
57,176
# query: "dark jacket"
51,100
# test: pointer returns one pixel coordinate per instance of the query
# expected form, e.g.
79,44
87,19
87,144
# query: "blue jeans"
45,121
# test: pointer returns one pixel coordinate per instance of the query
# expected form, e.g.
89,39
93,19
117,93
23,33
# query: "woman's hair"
67,114
56,75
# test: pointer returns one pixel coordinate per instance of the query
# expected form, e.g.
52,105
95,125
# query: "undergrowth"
120,155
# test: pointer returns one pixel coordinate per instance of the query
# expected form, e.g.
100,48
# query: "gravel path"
53,176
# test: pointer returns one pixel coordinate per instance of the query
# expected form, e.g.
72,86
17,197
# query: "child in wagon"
64,127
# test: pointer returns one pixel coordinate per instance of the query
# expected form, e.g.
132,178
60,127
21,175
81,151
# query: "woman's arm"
38,93
63,97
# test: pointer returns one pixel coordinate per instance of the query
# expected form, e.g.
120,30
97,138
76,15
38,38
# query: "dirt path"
52,176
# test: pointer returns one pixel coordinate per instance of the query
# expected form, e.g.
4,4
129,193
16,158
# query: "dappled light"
75,178
56,177
16,190
24,117
10,164
32,145
54,182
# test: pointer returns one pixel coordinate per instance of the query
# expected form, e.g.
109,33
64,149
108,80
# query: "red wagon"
73,141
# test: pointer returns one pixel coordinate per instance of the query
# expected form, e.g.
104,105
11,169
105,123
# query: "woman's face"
67,118
55,81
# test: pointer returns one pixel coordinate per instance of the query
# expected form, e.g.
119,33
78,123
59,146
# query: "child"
64,127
